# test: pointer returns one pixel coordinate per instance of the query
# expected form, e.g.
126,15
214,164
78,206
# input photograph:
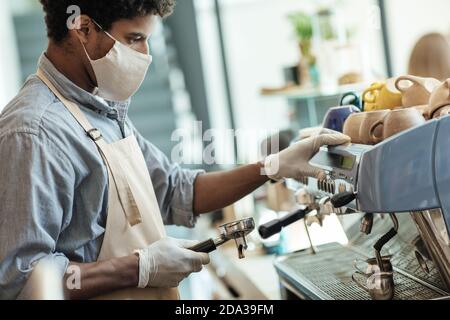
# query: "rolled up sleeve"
36,194
174,186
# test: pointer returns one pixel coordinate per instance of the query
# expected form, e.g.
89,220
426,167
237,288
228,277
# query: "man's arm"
103,277
218,190
214,191
184,194
36,204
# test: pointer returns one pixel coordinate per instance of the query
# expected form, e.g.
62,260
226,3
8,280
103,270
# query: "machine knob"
342,199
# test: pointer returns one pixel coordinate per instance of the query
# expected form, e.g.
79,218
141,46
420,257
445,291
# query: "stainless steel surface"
439,251
241,244
237,231
367,223
402,249
380,286
422,262
327,274
372,265
378,277
239,228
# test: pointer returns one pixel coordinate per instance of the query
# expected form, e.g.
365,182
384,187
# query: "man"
74,168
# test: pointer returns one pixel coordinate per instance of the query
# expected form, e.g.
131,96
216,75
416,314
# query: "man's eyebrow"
137,35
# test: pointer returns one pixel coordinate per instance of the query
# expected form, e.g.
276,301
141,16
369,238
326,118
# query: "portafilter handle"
273,227
207,246
342,199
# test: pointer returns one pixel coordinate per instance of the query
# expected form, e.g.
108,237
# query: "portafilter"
236,231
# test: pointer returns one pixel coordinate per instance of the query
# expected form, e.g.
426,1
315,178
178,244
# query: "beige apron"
134,220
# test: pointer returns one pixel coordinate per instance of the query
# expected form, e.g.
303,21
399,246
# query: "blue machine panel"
442,171
398,174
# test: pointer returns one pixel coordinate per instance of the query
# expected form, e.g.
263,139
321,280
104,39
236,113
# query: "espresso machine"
401,189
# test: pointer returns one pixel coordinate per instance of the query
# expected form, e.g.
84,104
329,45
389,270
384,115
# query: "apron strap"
125,194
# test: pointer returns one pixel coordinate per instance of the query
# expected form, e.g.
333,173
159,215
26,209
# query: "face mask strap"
99,26
106,32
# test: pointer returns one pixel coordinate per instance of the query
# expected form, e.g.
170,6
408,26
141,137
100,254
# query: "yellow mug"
381,96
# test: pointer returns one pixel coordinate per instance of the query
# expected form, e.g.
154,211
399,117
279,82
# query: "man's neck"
70,66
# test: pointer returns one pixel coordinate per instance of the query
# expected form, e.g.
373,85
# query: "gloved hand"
317,131
293,162
167,262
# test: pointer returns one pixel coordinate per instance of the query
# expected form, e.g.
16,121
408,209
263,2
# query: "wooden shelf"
301,93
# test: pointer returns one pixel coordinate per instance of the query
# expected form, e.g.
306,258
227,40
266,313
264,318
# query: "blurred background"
257,65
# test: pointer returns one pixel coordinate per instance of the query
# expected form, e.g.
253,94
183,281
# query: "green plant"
303,27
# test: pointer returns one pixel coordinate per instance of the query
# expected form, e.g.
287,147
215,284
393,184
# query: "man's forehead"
139,26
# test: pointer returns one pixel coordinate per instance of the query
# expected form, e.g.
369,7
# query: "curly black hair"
104,12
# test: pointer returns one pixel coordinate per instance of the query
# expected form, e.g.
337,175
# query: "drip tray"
326,275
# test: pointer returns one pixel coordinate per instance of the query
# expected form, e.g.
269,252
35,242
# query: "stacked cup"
397,105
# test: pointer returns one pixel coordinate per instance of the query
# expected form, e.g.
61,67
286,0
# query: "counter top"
253,278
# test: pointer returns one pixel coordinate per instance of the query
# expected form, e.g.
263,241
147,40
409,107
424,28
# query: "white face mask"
121,72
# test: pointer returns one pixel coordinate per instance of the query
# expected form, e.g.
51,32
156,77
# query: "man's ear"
84,28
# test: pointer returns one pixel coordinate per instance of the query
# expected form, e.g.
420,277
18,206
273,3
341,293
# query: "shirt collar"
114,110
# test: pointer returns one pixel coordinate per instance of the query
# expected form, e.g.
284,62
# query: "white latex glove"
167,262
293,162
317,131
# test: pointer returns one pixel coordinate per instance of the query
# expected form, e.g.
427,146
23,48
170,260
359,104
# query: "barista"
82,189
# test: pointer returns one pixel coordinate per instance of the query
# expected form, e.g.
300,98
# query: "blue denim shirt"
54,184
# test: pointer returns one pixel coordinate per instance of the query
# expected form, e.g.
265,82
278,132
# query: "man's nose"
145,48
